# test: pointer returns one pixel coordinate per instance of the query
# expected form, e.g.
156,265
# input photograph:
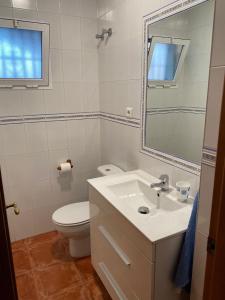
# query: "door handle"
14,206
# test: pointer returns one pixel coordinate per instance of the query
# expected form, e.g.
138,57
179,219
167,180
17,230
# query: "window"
166,57
24,53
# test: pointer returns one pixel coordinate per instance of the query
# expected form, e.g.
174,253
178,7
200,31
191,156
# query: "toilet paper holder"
68,161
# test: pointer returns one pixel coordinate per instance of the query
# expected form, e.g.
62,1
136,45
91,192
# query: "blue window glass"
20,53
164,62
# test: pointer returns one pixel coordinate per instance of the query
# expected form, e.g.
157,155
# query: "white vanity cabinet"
129,264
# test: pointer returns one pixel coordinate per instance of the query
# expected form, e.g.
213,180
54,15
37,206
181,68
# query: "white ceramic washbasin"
136,193
129,191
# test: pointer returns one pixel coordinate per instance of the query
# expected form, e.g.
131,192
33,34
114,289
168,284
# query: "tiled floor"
45,270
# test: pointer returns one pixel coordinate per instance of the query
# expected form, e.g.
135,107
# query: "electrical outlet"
129,112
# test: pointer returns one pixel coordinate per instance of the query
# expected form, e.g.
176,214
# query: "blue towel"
184,268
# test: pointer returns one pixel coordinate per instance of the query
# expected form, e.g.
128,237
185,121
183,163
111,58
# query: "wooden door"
214,288
7,276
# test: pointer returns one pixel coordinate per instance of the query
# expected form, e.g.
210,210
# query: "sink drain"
143,210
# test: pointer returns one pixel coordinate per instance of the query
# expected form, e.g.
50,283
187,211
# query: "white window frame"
27,82
167,40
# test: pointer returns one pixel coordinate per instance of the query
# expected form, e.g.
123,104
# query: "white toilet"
73,220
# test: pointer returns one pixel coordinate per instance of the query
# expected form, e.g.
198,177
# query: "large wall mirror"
176,71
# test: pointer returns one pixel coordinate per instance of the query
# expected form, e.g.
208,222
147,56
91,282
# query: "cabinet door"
121,266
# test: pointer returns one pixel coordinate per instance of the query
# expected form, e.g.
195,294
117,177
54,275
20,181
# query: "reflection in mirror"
178,60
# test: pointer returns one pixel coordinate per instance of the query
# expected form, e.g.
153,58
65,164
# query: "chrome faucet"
163,184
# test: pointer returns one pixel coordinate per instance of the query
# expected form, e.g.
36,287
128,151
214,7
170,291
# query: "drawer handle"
114,245
112,281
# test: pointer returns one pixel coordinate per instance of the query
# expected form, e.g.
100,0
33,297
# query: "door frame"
215,266
8,290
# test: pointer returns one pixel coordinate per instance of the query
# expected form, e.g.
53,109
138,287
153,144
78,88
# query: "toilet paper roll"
65,167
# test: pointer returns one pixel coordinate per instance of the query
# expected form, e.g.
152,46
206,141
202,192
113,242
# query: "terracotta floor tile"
85,267
48,253
97,289
78,292
21,261
42,238
45,271
18,245
26,287
56,277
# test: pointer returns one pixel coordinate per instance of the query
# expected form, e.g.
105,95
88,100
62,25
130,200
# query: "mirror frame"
164,12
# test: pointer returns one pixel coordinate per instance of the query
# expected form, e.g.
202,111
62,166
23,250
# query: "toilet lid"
71,214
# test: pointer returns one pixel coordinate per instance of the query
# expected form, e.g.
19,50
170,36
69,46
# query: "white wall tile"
134,97
15,170
37,166
33,102
43,214
134,57
48,5
10,103
6,12
90,65
31,152
70,7
76,137
218,49
91,96
74,97
28,4
56,65
41,194
92,144
25,14
36,137
55,28
57,135
88,32
70,25
21,195
215,94
7,3
71,65
14,139
88,8
102,7
54,98
23,224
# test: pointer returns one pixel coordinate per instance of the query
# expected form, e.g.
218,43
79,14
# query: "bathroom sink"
134,194
155,213
137,193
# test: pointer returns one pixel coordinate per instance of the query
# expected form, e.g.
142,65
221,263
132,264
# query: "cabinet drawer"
132,271
114,220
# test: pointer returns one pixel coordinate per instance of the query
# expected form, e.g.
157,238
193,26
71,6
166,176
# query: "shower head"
102,35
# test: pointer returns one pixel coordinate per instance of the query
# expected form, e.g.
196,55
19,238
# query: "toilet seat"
74,214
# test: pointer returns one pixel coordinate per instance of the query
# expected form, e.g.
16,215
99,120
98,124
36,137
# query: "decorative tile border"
47,118
134,122
209,156
6,120
178,109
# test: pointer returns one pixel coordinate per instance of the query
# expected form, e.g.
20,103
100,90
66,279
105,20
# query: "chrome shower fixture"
102,35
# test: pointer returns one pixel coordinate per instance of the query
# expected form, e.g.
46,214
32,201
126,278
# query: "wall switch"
129,112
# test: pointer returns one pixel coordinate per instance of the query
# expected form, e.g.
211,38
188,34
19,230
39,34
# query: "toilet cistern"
163,184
